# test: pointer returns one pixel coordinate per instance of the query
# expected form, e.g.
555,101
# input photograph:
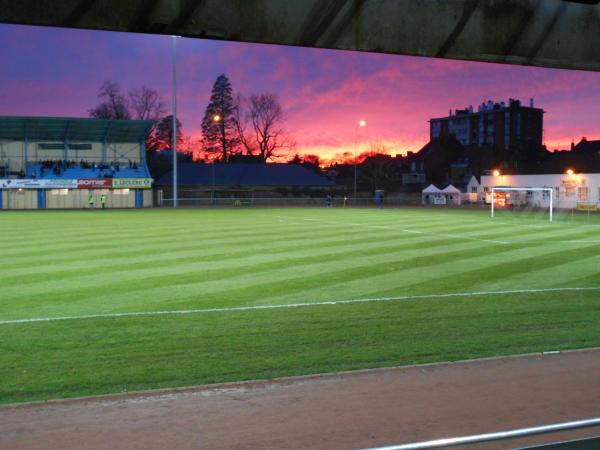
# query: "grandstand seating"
78,172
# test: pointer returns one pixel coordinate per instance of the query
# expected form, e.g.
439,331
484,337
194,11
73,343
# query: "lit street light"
361,123
216,118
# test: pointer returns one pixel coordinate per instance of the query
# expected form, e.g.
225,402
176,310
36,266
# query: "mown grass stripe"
299,305
84,263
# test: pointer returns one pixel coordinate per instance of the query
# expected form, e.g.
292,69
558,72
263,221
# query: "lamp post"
361,123
216,118
174,139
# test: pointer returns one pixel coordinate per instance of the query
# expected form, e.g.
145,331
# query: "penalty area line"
299,305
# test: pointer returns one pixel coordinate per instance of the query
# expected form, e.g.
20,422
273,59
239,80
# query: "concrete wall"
148,198
20,199
79,198
72,198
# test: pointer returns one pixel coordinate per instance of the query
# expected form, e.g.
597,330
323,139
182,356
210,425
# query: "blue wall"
41,195
139,198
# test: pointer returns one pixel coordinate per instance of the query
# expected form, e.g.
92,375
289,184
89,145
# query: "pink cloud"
323,92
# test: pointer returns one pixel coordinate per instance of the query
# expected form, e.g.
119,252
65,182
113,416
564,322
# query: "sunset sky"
57,72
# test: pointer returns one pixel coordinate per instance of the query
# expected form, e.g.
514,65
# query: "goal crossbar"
515,189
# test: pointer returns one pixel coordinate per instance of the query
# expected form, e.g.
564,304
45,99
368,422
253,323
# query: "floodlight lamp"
496,173
570,172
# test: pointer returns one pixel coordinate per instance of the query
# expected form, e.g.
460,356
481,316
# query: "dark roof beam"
318,20
78,12
546,32
520,30
347,18
469,7
185,16
141,19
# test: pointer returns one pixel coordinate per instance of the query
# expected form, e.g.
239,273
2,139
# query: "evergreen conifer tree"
219,131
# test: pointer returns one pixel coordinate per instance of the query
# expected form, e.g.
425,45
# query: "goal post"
548,191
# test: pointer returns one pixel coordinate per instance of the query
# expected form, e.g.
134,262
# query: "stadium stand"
57,162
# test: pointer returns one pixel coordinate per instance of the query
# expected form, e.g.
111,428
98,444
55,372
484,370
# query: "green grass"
74,263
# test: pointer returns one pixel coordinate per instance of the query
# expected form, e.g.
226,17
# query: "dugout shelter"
58,162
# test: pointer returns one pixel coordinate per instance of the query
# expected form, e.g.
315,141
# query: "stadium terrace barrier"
501,435
336,201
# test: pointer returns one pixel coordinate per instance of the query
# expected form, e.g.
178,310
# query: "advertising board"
132,183
94,183
37,184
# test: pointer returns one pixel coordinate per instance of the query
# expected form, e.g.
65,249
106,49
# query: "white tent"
431,189
432,195
453,195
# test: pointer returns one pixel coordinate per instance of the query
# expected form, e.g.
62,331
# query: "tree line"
232,125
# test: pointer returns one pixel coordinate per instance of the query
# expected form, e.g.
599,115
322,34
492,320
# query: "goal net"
529,202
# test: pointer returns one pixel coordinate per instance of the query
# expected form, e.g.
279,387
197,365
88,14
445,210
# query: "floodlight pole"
174,127
355,177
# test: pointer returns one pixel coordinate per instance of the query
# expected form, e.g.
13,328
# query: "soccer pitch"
95,302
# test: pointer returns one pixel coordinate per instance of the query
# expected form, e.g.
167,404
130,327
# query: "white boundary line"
402,230
453,236
299,305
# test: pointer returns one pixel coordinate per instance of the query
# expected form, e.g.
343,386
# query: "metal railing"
336,201
478,438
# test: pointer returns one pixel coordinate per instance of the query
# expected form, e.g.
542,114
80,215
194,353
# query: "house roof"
238,174
585,146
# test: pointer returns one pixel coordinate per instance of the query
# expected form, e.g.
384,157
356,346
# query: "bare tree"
377,167
114,104
240,117
146,104
267,138
161,136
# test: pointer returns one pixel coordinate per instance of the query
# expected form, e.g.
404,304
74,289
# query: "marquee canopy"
431,190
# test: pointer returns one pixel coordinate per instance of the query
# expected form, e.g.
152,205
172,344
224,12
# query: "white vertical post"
551,203
493,195
355,174
174,143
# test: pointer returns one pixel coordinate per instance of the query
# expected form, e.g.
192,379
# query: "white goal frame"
513,189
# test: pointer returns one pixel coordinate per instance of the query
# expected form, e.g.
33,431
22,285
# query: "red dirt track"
338,411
